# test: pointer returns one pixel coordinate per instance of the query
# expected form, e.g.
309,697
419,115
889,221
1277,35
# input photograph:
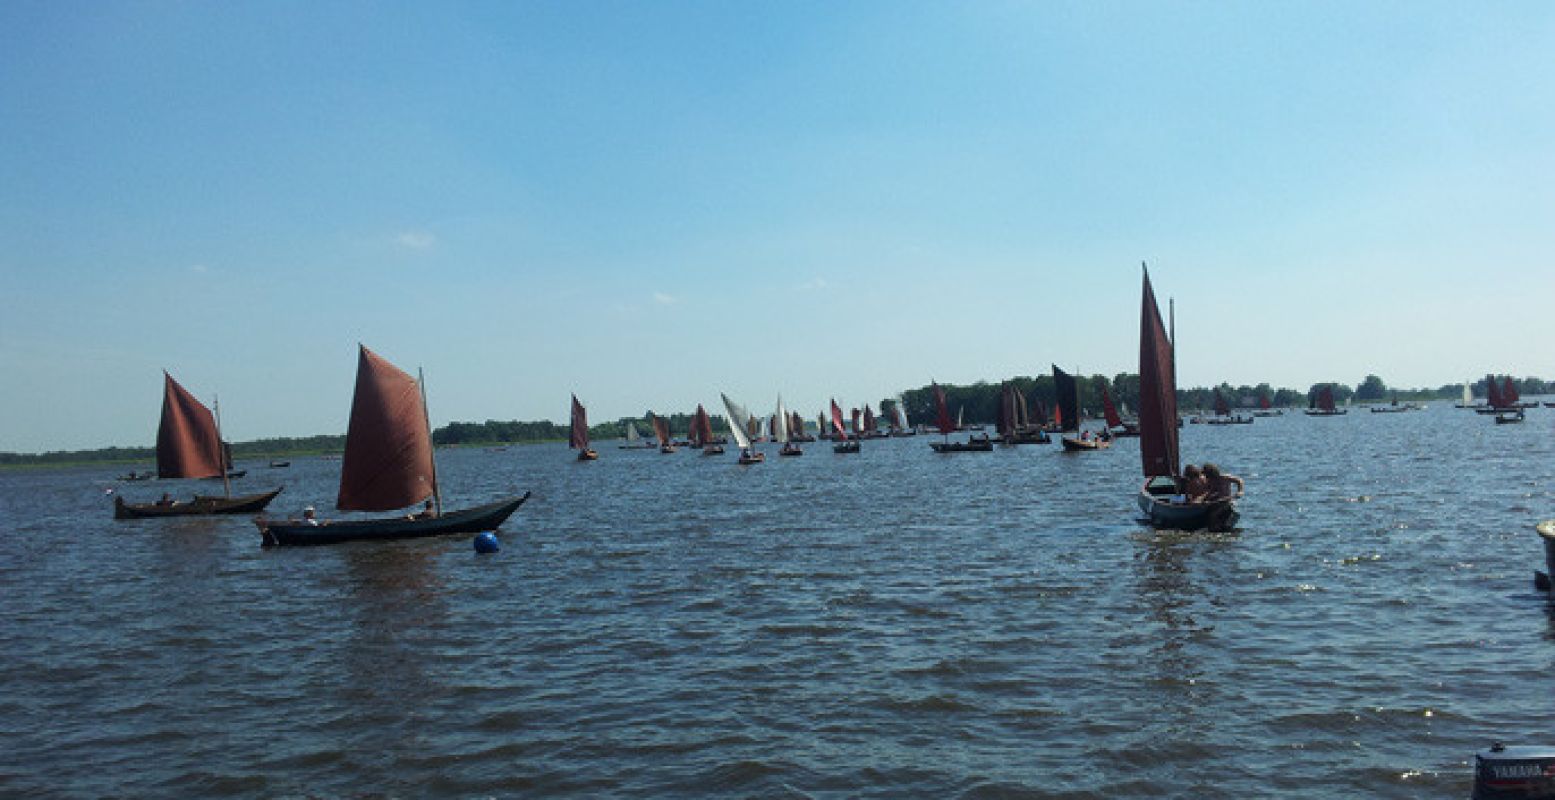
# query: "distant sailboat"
739,424
1468,395
977,444
780,426
189,445
840,433
1115,422
578,435
1067,405
634,440
702,433
661,429
388,464
1323,403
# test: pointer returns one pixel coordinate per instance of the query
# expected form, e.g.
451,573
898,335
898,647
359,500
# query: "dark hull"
1166,513
200,506
472,520
1080,445
1509,419
978,446
1317,412
845,447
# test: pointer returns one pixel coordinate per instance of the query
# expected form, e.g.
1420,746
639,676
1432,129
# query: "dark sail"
578,439
1110,411
661,429
1509,393
857,424
1157,390
1493,392
187,443
1068,399
388,458
1003,423
1222,408
869,420
701,428
1325,398
1263,401
942,412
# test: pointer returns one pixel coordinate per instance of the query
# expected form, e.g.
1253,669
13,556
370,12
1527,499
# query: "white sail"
780,423
901,413
738,419
1468,394
960,410
631,431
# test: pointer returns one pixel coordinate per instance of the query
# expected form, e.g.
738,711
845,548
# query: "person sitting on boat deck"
167,500
308,518
1220,485
426,512
1194,485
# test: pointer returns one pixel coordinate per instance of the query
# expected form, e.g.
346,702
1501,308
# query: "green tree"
1371,389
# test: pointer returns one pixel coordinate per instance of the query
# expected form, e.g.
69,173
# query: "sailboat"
1468,395
1014,424
871,428
781,423
899,423
1323,403
661,429
840,433
189,446
942,420
1161,497
388,464
1115,424
578,437
634,440
1265,408
1223,415
1067,403
702,433
739,423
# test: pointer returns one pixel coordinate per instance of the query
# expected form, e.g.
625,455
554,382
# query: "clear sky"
649,203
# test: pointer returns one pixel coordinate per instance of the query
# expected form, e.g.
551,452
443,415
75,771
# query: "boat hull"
200,506
976,446
1166,512
472,520
845,447
1073,445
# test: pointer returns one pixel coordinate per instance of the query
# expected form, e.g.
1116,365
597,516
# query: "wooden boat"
389,464
781,427
1223,415
1323,404
1265,408
578,433
1509,417
189,445
739,424
1116,426
1546,531
634,440
840,433
947,426
661,429
1160,498
280,464
701,434
1075,444
1014,424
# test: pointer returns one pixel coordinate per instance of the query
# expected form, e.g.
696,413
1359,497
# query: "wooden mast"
221,451
437,492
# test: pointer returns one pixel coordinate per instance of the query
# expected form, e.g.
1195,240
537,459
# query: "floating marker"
487,543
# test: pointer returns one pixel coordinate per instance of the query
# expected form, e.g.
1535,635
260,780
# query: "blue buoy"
487,543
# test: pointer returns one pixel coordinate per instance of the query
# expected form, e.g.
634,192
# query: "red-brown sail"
388,458
701,428
661,429
1509,393
1110,411
795,424
942,418
869,420
1157,390
1263,401
188,445
1222,408
578,437
836,421
1493,392
1325,398
857,424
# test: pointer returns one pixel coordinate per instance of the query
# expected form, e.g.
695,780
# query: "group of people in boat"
1208,484
310,517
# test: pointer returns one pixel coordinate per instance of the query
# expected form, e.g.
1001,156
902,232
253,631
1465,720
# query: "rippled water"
894,624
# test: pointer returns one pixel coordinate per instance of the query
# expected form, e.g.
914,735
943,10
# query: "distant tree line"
977,402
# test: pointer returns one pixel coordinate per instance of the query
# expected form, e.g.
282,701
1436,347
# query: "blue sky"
650,203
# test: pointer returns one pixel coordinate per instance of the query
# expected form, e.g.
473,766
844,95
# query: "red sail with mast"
1157,391
1110,411
1509,393
836,421
1325,398
661,429
1222,408
188,444
869,420
1493,392
701,433
942,418
1066,403
578,438
388,458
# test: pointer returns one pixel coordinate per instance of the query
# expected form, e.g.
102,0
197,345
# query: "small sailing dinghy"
947,426
1067,406
781,423
189,446
1161,497
634,440
1323,403
578,436
739,423
661,429
840,432
388,465
701,435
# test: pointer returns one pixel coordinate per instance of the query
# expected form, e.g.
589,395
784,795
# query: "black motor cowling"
1504,773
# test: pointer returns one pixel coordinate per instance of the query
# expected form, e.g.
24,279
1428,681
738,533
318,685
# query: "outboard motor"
1505,773
1541,580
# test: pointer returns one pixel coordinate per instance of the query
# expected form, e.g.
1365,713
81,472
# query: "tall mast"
221,450
437,492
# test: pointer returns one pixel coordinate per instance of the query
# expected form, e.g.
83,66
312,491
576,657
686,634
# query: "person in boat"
166,501
308,517
1221,485
426,512
1194,485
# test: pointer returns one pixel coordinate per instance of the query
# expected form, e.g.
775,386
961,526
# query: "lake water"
893,624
